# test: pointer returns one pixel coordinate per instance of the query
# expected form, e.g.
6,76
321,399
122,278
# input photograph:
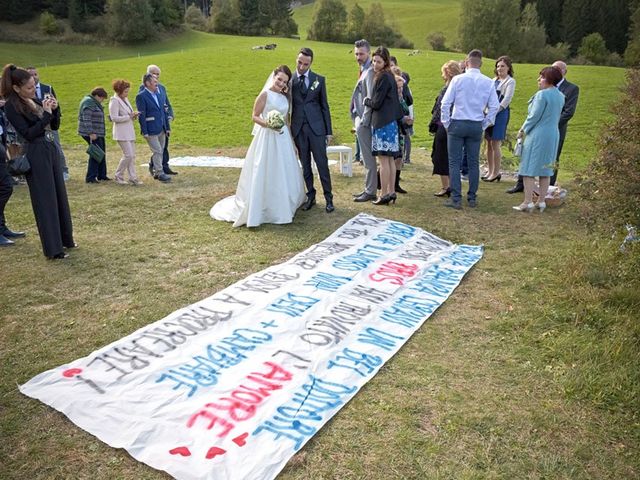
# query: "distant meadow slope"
213,79
415,19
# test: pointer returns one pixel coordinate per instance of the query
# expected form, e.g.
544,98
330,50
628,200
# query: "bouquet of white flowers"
275,120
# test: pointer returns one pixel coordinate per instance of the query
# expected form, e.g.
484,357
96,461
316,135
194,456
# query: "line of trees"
331,23
591,31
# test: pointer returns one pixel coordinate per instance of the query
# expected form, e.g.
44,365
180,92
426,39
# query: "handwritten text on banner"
232,386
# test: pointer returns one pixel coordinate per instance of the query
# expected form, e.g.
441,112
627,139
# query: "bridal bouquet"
275,120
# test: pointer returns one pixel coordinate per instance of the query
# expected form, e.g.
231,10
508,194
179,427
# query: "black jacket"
384,103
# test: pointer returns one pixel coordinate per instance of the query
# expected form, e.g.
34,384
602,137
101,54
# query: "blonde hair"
450,69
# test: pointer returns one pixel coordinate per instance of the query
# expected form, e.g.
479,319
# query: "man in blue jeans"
472,96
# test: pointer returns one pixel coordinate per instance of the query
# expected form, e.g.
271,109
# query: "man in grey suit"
361,116
570,92
311,126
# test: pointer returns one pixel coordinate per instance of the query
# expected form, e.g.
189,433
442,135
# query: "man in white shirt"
469,106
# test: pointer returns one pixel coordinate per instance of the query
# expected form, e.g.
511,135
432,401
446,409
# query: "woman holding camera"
34,121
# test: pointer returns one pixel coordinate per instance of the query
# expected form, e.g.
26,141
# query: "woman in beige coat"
122,115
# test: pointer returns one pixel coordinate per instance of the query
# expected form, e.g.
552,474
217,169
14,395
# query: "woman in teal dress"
541,136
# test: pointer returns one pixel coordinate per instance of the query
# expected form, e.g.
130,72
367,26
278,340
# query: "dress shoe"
383,200
472,203
9,234
75,245
5,242
120,181
445,192
105,179
329,208
354,195
162,177
135,182
517,188
93,180
540,206
309,203
524,207
364,197
59,256
496,178
452,204
170,172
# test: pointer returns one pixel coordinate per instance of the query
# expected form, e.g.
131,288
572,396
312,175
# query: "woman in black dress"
34,121
439,151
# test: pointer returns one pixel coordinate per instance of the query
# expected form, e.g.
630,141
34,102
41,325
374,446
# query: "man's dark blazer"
313,107
570,92
153,116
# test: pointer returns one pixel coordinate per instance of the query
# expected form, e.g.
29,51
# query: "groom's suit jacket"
153,116
312,107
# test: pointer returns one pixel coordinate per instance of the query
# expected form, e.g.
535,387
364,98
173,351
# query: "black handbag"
19,165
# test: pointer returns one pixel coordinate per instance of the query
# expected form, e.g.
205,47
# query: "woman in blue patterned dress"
386,111
541,137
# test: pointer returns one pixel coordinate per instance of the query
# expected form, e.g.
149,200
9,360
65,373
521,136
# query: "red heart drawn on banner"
71,372
214,452
240,440
182,451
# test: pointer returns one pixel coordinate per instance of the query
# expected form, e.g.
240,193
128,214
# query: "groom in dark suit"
311,126
570,92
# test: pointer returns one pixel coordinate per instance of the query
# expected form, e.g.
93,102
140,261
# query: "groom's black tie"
303,85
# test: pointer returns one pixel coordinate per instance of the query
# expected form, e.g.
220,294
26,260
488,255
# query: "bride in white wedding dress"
271,187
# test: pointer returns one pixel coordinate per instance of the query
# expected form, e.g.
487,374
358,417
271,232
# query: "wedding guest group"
34,120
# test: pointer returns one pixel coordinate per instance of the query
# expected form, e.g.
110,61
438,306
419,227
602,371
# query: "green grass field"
528,371
415,19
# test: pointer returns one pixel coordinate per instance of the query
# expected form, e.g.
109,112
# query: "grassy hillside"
213,79
415,19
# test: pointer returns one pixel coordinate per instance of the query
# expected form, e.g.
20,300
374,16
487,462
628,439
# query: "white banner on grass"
232,386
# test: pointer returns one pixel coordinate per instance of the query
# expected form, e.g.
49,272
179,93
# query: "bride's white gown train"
271,188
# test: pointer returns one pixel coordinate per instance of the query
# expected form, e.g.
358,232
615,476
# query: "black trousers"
49,197
6,188
309,143
96,170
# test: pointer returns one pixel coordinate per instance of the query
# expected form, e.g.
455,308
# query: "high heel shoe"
392,198
541,206
443,193
383,200
496,178
524,207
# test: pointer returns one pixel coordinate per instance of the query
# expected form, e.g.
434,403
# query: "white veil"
267,86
